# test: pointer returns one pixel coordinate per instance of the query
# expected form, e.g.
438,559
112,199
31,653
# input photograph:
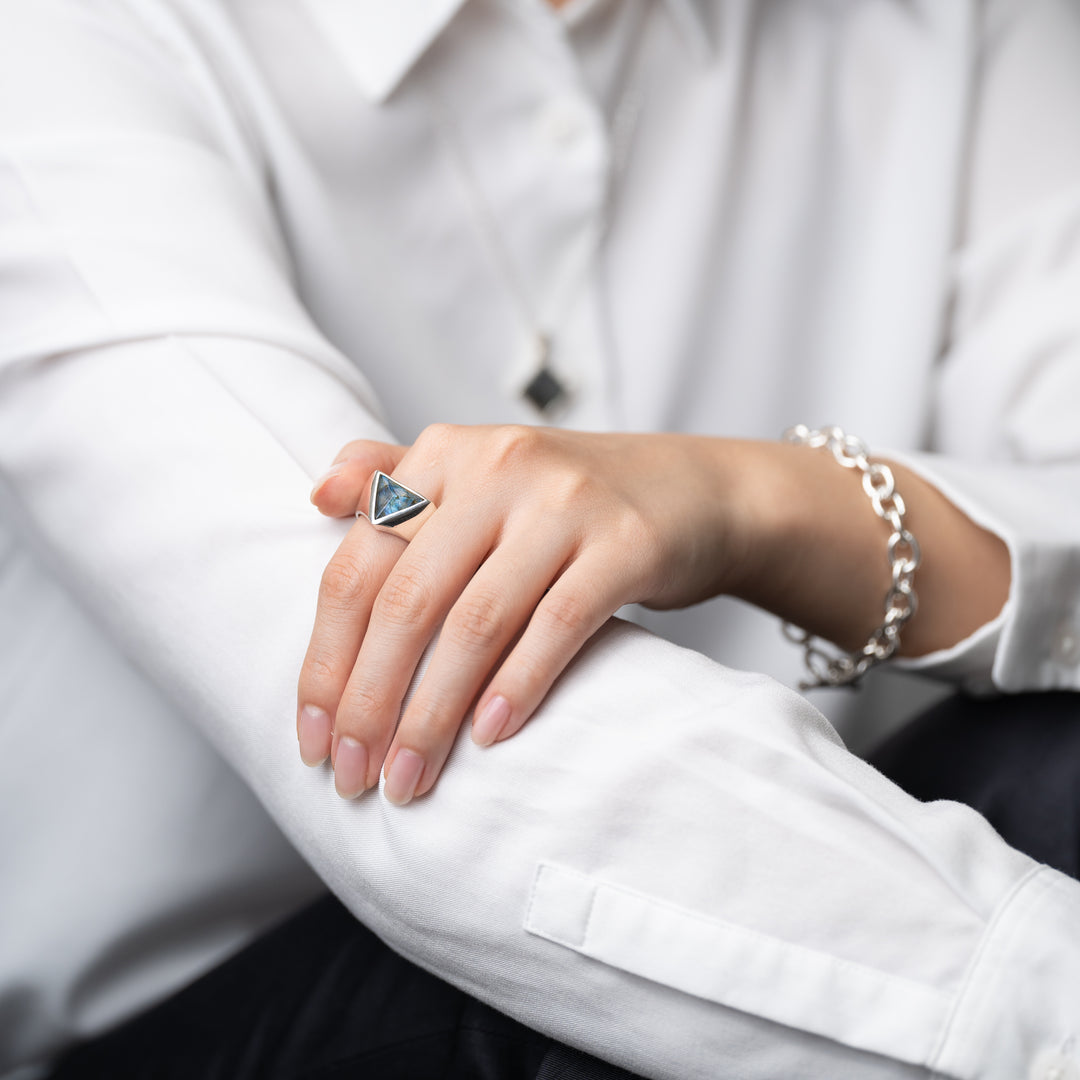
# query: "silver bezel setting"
388,521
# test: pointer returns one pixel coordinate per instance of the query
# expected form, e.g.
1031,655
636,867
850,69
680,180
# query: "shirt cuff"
1034,642
1020,1003
968,663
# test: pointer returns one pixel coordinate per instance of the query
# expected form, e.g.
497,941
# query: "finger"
488,615
575,607
429,576
357,448
348,587
339,491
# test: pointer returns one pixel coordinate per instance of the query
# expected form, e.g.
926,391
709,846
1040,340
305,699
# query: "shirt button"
563,121
1066,647
1050,1065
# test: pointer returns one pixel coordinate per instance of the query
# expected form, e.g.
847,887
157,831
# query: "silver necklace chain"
544,389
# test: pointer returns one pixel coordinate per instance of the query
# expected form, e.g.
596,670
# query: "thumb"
337,493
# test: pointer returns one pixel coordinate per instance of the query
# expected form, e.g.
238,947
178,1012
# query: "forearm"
818,553
788,529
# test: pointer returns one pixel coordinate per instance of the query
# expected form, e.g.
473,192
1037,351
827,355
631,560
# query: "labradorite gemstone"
390,497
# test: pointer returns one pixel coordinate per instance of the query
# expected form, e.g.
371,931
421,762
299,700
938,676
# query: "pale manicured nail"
403,777
350,767
314,732
491,721
328,475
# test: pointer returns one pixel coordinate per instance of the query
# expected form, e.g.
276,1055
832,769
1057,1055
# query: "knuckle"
478,621
574,487
514,443
566,613
435,438
361,699
426,725
345,580
528,672
405,596
318,669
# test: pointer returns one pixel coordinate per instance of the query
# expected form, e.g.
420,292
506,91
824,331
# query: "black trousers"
321,998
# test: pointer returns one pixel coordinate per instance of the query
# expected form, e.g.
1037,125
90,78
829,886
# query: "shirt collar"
380,40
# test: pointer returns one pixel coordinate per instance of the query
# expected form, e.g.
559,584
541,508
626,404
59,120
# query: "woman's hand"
538,537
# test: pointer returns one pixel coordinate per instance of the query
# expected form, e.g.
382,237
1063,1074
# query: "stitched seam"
530,927
793,948
541,867
880,812
49,225
988,939
180,341
597,886
183,343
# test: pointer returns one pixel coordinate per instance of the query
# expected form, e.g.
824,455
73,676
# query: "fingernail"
314,734
328,475
404,775
490,722
350,768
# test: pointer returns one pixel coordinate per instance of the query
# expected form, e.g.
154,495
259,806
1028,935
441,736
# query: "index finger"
348,587
339,490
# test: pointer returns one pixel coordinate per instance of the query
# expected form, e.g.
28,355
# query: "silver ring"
395,508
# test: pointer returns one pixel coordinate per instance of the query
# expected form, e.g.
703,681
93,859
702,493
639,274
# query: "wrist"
714,519
759,510
818,549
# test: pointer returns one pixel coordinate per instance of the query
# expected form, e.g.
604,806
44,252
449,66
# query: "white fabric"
214,216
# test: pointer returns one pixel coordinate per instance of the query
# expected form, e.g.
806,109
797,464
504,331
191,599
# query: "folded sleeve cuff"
1021,999
1034,643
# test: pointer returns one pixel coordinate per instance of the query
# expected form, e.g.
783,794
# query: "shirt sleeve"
1005,431
675,866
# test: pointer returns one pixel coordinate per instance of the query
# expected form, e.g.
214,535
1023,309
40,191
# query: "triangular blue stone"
391,497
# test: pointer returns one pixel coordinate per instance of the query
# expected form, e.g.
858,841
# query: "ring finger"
482,623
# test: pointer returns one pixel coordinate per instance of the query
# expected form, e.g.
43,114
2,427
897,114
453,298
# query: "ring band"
395,508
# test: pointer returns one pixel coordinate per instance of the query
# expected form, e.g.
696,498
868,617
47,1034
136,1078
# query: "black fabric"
321,998
1015,759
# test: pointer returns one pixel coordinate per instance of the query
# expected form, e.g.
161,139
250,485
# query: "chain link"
901,603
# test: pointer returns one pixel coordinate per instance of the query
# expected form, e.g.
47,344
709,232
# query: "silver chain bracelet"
903,553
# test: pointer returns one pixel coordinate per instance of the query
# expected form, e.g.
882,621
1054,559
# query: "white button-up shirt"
236,233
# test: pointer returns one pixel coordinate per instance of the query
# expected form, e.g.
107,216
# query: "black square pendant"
543,390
